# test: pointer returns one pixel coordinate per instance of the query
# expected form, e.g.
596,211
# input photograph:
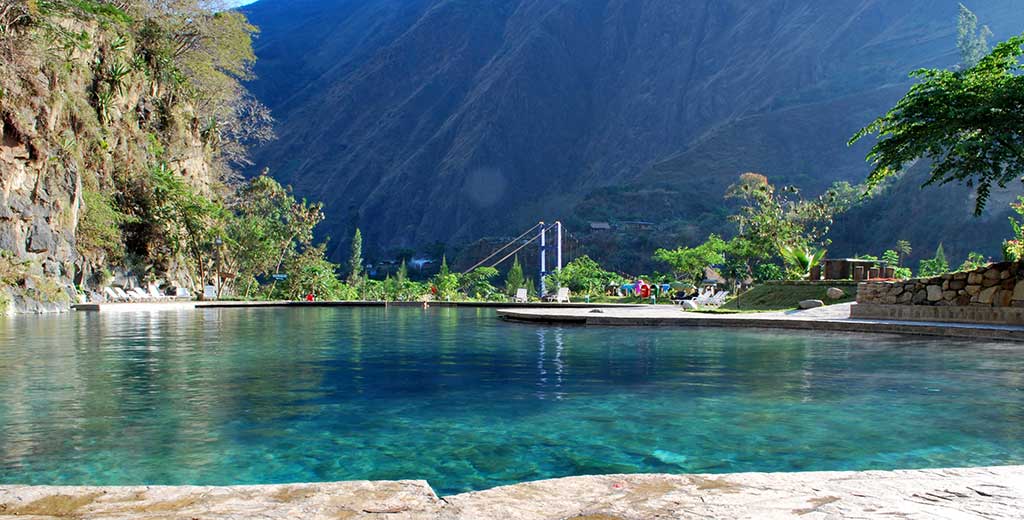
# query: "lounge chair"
563,295
182,293
717,300
703,298
156,294
124,296
209,292
522,296
111,296
140,294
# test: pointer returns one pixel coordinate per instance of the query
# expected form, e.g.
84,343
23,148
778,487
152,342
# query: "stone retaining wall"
992,294
998,285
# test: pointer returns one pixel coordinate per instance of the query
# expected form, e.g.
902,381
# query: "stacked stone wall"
996,286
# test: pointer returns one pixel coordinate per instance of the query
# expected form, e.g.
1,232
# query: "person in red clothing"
310,297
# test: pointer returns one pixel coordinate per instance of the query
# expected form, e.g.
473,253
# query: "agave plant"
117,73
800,260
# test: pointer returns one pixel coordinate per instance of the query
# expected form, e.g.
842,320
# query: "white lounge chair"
522,296
563,295
140,294
703,297
110,295
209,292
124,296
156,294
718,299
182,293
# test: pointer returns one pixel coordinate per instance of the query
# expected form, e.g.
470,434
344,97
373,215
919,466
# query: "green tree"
935,266
971,40
269,227
445,282
514,280
904,249
584,276
477,283
403,273
974,261
355,259
689,263
309,272
967,123
891,257
187,222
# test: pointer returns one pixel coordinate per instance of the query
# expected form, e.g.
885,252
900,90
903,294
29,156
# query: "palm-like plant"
800,259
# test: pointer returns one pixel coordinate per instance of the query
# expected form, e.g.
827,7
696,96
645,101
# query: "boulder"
1018,292
1002,298
40,238
934,293
986,296
811,304
835,293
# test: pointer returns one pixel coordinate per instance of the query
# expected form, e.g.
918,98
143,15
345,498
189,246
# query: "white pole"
558,227
543,258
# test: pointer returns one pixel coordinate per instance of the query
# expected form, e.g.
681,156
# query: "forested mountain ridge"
427,120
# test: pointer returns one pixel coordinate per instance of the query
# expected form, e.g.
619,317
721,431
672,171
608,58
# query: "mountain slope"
426,120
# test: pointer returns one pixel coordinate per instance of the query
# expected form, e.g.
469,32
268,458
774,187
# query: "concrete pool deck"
833,318
156,306
992,493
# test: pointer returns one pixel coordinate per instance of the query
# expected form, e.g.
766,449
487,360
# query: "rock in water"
811,304
669,457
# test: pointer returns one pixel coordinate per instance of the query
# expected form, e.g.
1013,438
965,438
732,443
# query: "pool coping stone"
984,492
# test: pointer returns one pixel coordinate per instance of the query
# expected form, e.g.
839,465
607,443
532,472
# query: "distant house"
713,277
635,225
843,268
600,226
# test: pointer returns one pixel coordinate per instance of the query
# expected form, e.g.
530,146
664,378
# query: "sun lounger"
209,292
718,299
182,293
124,296
563,295
156,294
111,296
140,294
521,295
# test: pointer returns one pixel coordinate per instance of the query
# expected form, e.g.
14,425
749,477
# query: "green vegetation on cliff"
122,125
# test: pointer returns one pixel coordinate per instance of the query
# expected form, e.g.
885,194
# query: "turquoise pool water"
467,401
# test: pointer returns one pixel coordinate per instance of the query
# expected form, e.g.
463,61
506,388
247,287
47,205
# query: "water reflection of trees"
163,386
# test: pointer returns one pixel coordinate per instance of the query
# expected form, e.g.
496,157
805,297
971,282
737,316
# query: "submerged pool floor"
467,401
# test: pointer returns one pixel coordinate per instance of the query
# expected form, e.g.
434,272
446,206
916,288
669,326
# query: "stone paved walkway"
830,318
975,493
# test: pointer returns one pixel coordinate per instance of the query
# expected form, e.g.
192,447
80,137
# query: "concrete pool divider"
985,492
228,304
834,318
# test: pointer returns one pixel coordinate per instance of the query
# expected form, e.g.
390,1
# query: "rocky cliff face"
423,120
59,139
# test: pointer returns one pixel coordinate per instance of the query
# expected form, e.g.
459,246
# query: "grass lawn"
764,298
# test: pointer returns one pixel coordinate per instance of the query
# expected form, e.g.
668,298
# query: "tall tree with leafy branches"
968,123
